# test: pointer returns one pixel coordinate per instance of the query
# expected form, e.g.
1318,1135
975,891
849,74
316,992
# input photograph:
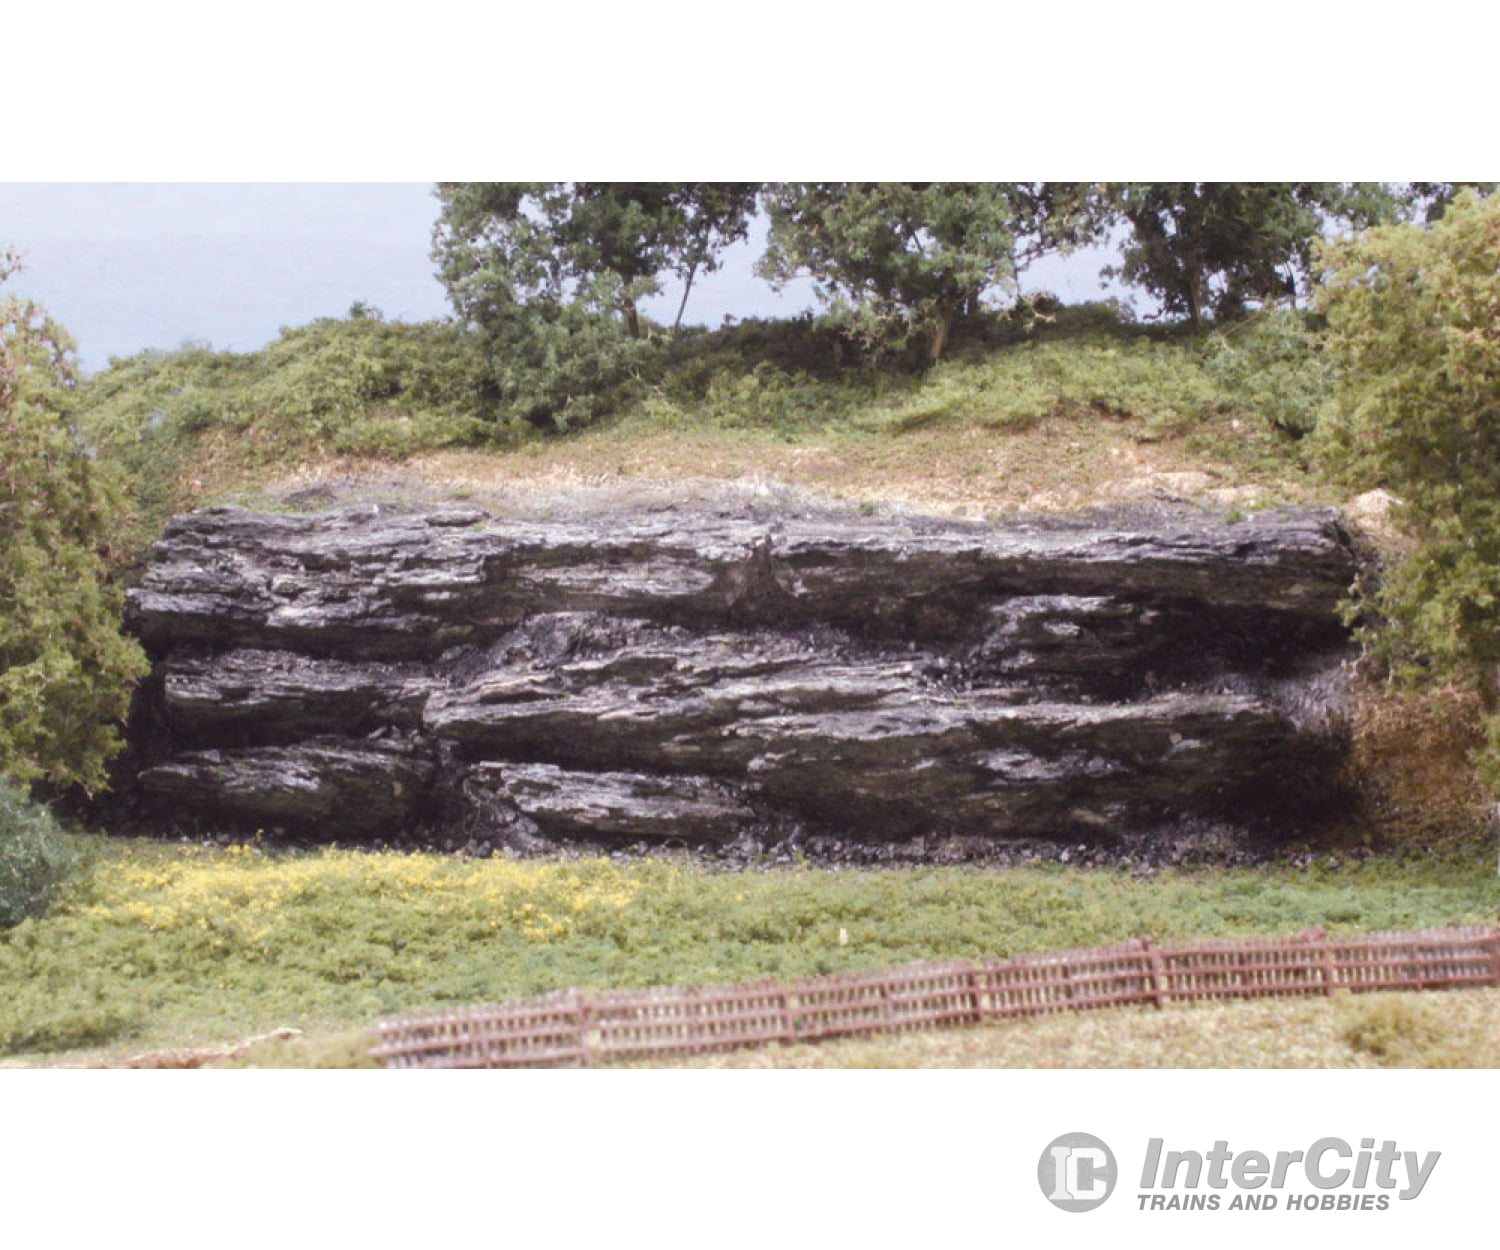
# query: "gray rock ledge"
701,677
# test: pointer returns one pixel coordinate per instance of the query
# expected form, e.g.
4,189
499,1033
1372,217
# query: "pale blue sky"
127,266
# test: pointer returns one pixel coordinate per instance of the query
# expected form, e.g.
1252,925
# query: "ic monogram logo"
1077,1172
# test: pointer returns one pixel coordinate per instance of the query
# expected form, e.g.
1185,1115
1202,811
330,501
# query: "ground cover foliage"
191,425
160,944
357,384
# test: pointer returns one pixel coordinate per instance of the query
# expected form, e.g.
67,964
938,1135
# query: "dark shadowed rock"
363,789
267,694
685,677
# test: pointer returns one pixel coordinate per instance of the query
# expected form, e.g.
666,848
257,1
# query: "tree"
1209,248
1414,328
66,672
711,215
639,230
899,259
1427,201
553,273
605,244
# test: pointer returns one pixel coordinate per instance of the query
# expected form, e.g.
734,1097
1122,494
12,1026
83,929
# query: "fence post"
1494,945
1154,971
974,993
788,1021
585,1023
693,998
1325,963
893,1022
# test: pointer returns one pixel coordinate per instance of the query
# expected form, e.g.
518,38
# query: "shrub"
1112,377
1391,1029
325,378
360,385
34,856
66,671
1273,365
1414,328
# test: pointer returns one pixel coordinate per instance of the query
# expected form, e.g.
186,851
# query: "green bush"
34,856
1274,365
324,379
1392,1029
359,384
1414,331
66,671
1163,385
563,366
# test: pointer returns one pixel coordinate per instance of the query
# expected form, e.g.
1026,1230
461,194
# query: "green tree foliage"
65,670
639,230
900,260
1414,326
34,856
552,274
1207,249
1427,201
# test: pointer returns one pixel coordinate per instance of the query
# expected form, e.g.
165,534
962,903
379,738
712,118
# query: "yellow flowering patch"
245,898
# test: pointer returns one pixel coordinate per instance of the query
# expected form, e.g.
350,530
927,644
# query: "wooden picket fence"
574,1028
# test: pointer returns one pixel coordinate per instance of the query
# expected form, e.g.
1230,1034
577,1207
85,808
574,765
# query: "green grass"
166,945
189,424
792,382
355,386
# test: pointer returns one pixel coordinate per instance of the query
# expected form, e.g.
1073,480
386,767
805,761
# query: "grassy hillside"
1044,411
162,944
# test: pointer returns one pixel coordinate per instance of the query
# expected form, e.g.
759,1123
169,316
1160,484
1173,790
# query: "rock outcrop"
709,677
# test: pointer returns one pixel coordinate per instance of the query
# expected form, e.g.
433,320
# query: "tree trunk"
686,291
942,327
1194,303
632,319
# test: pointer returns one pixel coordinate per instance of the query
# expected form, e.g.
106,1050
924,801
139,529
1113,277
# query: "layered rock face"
715,676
